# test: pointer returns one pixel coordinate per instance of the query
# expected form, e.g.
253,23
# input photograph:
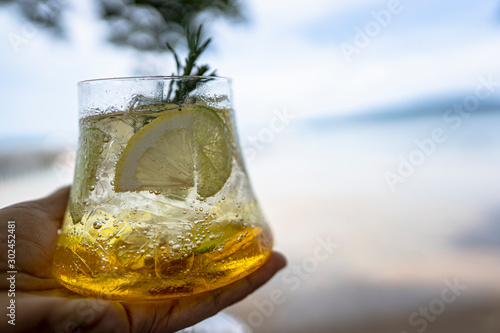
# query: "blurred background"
371,131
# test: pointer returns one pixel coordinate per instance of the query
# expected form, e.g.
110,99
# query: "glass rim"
151,78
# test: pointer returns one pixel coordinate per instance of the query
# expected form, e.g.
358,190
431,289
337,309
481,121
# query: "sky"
288,55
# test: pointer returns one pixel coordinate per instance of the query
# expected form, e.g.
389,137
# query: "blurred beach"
366,253
399,245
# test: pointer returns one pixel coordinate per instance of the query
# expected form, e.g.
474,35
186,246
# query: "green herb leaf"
196,47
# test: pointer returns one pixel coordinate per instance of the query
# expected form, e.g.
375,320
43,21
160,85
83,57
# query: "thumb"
51,207
54,205
36,223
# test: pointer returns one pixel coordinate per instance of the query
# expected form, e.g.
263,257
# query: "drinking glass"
161,204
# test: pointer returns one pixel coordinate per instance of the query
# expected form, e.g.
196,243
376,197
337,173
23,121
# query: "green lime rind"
90,144
220,236
210,245
214,152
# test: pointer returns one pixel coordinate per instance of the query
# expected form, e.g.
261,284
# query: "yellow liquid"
150,245
90,269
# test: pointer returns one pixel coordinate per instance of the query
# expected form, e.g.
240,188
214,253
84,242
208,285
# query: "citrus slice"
213,152
178,150
90,144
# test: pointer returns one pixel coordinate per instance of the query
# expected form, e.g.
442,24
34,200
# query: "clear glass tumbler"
161,205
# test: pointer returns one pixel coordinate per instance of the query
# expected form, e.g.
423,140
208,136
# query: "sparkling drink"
161,205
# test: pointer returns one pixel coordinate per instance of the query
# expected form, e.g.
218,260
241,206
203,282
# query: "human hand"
44,305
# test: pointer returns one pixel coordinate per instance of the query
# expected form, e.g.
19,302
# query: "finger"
54,205
218,299
170,316
36,223
51,208
36,313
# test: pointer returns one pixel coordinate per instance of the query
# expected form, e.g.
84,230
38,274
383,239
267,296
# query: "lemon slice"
180,149
90,144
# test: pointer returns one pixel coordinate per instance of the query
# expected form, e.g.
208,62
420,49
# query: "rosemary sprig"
185,86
